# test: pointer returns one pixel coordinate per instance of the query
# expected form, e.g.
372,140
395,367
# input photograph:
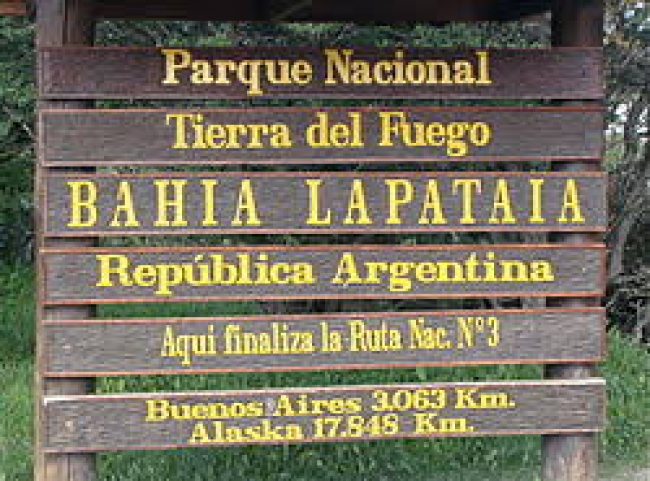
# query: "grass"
16,359
506,458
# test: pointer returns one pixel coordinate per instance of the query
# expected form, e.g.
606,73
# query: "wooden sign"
208,419
86,189
321,135
329,72
322,202
177,274
83,348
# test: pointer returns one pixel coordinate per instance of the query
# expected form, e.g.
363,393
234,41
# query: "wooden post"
576,23
59,22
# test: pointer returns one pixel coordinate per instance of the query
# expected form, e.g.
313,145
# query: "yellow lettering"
400,192
346,272
83,197
209,215
357,204
571,202
113,265
165,203
536,201
502,203
124,207
468,187
248,205
199,434
175,59
157,410
314,204
432,203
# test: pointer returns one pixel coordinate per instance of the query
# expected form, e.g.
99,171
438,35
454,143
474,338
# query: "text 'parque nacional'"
342,66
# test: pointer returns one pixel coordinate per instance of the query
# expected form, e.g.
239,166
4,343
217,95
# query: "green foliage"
16,135
16,359
627,49
628,382
16,313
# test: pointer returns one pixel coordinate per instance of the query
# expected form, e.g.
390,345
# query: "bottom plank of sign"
302,415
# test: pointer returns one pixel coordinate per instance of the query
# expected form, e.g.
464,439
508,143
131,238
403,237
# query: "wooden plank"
419,11
332,10
273,416
13,7
283,136
317,342
324,10
307,72
177,274
85,205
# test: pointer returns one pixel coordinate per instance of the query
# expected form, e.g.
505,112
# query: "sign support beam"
576,23
60,22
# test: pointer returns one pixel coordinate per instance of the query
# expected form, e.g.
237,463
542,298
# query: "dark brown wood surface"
574,23
385,11
319,202
58,22
333,341
316,10
177,274
150,137
156,420
139,73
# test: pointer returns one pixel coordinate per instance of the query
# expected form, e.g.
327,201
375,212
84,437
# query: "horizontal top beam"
13,7
308,10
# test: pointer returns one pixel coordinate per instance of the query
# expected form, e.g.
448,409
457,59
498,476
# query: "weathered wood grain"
177,274
332,341
319,202
141,421
379,134
323,11
140,72
573,457
58,22
385,11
